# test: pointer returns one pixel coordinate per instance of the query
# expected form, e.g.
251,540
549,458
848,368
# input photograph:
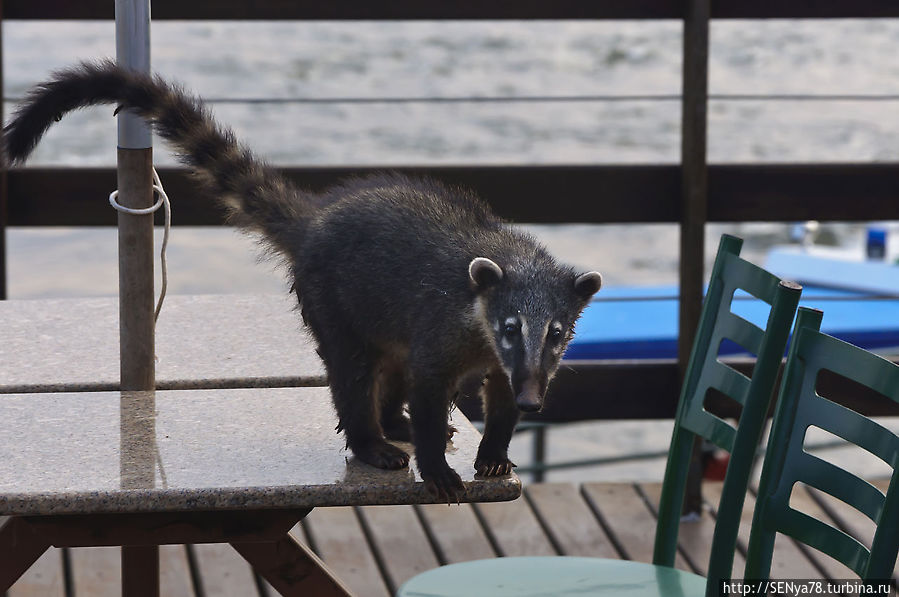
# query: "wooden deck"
375,549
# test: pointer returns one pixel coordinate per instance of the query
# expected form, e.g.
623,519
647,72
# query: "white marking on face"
505,343
526,340
478,309
534,347
479,315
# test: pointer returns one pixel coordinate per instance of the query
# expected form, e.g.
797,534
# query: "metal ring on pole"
138,212
163,201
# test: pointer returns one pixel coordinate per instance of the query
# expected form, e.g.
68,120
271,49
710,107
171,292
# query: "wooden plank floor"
375,549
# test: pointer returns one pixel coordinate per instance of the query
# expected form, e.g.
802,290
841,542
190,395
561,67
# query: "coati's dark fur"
413,290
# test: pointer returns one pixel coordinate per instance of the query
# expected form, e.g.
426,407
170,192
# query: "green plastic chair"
786,463
579,576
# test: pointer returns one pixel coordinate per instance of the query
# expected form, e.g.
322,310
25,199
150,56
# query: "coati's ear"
484,273
586,285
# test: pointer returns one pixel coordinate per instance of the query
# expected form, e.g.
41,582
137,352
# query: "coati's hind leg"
391,391
500,417
350,365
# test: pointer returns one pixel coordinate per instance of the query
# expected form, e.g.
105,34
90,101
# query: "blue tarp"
615,326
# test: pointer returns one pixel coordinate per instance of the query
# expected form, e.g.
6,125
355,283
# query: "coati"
412,289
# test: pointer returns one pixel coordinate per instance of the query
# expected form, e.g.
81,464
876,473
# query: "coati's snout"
529,395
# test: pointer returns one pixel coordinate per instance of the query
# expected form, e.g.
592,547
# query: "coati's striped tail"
257,197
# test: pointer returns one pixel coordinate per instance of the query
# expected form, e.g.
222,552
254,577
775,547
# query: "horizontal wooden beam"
77,196
458,9
802,9
526,194
162,528
799,192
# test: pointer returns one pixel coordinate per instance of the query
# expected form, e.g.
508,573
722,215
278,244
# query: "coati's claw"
450,432
445,486
493,468
384,456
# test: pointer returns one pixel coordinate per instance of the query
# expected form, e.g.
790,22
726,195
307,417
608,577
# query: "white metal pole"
132,43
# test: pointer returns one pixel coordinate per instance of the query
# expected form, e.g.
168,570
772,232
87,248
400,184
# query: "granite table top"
202,341
201,450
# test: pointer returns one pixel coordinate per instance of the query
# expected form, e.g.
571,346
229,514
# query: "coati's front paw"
492,467
382,455
444,483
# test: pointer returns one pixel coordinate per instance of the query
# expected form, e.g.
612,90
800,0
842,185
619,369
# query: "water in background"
460,59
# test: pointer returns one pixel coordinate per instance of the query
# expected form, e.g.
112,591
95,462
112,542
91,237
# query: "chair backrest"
705,371
786,463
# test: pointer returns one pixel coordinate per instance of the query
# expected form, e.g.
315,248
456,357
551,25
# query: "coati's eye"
554,334
511,330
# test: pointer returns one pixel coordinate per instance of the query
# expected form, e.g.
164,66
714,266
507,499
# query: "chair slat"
729,381
790,561
715,430
751,278
828,509
852,427
821,536
853,363
737,329
839,483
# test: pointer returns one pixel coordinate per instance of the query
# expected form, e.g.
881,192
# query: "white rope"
163,201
